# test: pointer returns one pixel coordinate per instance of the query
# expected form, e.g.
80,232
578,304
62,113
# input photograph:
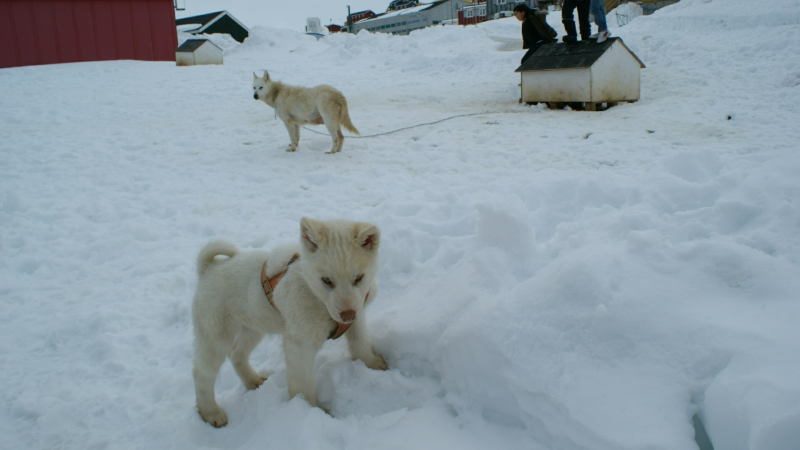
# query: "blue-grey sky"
289,14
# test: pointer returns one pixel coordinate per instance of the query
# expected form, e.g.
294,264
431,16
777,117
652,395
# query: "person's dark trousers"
531,51
583,18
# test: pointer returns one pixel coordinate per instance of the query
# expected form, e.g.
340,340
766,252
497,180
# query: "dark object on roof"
575,56
217,22
191,45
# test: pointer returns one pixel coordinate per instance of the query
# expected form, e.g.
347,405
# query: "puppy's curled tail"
212,249
345,118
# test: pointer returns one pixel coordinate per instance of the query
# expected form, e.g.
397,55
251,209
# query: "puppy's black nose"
255,96
348,316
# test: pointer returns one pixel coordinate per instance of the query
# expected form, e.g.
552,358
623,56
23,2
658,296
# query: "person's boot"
569,39
569,27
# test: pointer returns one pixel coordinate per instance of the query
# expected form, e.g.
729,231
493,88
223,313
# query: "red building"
473,14
361,15
36,32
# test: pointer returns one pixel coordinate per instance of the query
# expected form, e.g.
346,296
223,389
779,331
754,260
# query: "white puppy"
320,296
297,105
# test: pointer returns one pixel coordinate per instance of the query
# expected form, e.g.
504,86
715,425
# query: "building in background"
472,14
361,15
333,28
483,10
406,20
220,22
397,5
36,32
195,52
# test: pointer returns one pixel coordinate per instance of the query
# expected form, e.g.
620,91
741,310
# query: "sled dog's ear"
311,232
368,237
255,77
266,76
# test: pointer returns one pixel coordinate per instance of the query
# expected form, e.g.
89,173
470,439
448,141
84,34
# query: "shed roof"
191,45
206,20
575,56
200,20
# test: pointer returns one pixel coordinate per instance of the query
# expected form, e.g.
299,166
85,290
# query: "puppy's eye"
358,279
260,88
327,282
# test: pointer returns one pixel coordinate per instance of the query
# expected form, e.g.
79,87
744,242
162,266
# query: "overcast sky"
289,14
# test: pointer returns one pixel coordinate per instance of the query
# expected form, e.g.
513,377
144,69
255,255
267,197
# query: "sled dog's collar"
269,286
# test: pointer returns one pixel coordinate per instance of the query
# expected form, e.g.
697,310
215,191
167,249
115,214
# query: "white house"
194,52
586,72
406,20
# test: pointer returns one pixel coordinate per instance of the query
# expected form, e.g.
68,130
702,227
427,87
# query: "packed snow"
550,279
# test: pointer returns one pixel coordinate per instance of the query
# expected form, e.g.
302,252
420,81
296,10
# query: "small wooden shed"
585,72
195,52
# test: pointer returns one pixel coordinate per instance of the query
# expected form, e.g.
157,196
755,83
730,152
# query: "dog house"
195,52
585,72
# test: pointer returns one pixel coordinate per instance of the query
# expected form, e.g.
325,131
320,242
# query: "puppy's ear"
255,77
311,232
266,76
368,237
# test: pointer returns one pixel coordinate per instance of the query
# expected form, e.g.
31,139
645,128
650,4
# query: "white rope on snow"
421,124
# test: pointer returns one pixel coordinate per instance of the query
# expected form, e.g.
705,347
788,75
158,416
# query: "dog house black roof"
191,45
217,22
575,56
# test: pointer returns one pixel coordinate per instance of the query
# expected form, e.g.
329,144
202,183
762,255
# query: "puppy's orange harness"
269,285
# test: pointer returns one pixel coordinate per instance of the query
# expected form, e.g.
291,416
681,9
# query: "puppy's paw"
291,149
216,418
376,363
254,382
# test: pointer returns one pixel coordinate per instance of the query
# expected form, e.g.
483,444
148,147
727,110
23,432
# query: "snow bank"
549,279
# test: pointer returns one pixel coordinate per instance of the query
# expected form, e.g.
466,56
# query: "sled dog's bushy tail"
345,118
212,249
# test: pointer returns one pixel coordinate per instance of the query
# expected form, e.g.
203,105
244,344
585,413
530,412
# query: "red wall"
469,20
59,31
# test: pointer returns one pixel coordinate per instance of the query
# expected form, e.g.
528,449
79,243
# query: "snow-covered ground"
549,279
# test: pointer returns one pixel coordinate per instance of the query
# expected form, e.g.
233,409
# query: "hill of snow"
549,279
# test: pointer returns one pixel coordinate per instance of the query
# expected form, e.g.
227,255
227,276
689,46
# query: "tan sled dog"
320,296
297,106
